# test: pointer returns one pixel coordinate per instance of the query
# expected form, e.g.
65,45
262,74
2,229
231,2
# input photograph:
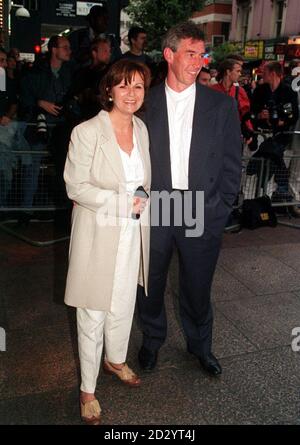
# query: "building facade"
268,29
215,19
55,17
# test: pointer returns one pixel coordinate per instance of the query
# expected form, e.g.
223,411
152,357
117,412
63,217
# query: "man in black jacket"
81,39
44,101
275,107
195,150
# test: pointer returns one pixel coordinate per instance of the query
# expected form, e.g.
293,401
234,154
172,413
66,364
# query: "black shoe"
147,359
211,365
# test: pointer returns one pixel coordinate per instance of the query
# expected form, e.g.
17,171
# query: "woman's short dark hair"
122,69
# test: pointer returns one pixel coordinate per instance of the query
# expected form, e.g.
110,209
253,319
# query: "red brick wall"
213,9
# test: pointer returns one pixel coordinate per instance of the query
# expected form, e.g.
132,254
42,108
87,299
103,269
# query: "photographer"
44,103
275,108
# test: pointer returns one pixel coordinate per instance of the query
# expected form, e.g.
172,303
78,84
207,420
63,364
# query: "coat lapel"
202,135
143,146
109,145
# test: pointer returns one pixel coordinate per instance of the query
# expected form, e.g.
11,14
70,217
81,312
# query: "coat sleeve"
232,165
77,176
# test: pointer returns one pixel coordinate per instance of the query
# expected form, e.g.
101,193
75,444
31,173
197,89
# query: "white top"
180,108
133,168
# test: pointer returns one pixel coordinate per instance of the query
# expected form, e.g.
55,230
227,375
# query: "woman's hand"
139,205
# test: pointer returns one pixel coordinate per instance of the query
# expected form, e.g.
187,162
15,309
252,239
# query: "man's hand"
50,107
4,121
264,115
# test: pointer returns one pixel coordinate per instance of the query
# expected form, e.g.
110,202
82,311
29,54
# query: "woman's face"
127,99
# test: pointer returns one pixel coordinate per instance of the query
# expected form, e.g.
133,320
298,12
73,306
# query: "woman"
108,160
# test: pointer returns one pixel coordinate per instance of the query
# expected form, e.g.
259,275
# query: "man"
204,77
275,106
229,74
44,102
8,109
86,83
195,147
213,76
8,97
237,57
137,39
81,39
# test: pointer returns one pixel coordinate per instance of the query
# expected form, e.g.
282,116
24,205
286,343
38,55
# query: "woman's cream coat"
95,181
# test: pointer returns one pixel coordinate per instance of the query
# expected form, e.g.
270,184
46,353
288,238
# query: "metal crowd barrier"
280,180
29,184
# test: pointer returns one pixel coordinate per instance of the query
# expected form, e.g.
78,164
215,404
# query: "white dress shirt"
180,108
133,168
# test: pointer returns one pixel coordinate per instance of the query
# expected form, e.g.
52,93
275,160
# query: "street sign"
29,57
65,9
83,8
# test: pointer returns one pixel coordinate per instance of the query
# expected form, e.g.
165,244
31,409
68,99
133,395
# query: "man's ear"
168,55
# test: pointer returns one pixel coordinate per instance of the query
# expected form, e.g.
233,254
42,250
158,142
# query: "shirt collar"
183,94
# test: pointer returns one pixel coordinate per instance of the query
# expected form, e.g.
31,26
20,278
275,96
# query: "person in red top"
229,73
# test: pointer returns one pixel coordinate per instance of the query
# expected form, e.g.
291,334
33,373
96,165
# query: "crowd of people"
44,100
82,101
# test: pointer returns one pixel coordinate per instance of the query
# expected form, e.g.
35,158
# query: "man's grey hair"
185,30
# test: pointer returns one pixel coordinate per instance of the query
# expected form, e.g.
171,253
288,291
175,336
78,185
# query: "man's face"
3,60
11,63
16,53
185,63
267,75
140,42
99,23
63,50
213,72
204,78
102,53
235,73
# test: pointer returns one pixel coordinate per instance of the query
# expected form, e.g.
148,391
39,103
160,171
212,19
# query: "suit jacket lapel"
157,121
202,135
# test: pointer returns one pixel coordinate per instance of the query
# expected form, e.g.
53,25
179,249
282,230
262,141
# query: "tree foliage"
222,51
157,16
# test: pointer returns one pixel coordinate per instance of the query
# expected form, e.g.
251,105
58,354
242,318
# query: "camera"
279,111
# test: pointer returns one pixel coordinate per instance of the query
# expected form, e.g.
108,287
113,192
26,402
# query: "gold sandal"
125,374
91,412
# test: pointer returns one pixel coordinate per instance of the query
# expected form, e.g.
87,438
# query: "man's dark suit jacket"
215,152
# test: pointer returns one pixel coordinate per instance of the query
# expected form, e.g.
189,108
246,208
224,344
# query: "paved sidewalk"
256,295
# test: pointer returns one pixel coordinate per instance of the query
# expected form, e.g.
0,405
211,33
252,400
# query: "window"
31,4
243,19
225,30
279,17
245,23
